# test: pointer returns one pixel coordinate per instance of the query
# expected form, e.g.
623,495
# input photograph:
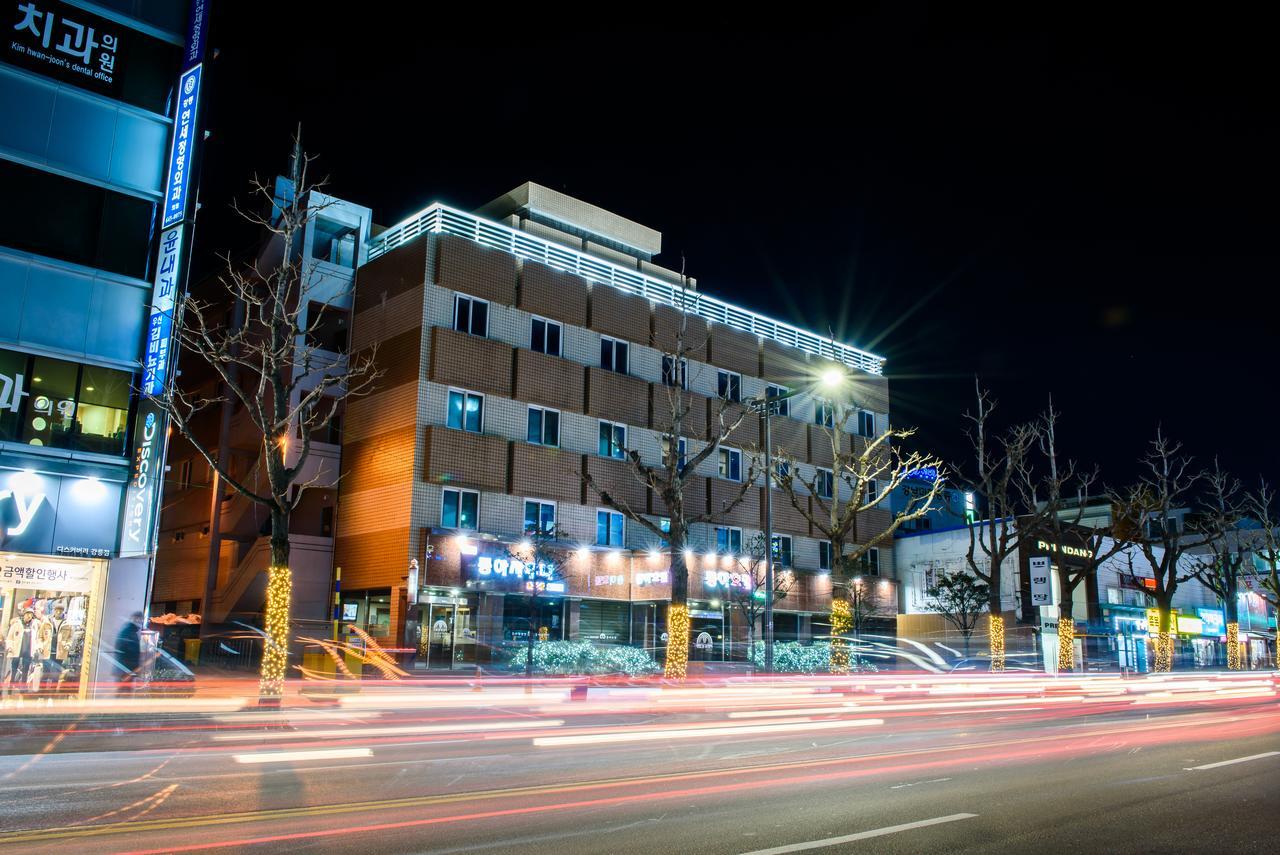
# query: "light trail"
300,756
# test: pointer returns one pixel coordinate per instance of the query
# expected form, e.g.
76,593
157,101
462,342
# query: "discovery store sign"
57,515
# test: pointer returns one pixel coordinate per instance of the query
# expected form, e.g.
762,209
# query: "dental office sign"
65,42
151,427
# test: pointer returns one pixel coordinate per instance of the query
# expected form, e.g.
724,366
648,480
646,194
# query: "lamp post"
765,407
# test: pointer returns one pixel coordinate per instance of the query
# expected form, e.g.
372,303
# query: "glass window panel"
51,407
470,510
602,528
551,428
454,419
538,336
102,415
535,426
548,519
473,413
479,317
462,316
15,387
530,516
449,509
616,526
553,339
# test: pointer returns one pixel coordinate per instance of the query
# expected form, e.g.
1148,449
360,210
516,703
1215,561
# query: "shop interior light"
466,546
525,545
655,554
688,555
584,553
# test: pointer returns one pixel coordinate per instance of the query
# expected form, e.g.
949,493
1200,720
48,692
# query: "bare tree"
1061,498
1145,517
670,478
961,599
862,477
1222,566
1263,508
748,589
1000,475
271,366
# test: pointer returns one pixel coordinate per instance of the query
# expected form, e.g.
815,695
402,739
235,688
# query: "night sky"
1078,205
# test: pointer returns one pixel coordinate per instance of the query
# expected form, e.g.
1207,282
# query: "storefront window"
44,628
58,404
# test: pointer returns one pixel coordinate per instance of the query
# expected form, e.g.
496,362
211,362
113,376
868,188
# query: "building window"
728,540
613,440
871,562
57,404
466,410
782,472
539,517
782,549
471,316
866,423
825,414
772,392
327,327
675,373
824,555
611,528
613,355
731,464
872,490
664,526
460,509
680,452
545,337
184,475
544,427
729,385
824,481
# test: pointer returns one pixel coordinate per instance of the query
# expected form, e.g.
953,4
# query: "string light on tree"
1066,644
1233,647
677,642
841,623
275,651
995,635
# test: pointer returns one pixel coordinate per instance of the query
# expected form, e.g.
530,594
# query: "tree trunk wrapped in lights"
995,638
1066,643
677,664
275,651
841,623
1234,659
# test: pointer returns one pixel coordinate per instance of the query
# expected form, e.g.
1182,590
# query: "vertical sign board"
151,426
1041,581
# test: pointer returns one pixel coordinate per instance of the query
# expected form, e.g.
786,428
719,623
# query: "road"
885,764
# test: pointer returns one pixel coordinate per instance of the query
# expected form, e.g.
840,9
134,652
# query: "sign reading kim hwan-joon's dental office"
57,514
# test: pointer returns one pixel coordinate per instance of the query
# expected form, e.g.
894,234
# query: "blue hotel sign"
182,147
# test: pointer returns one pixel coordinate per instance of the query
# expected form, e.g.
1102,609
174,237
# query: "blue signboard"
182,147
1214,622
156,355
197,29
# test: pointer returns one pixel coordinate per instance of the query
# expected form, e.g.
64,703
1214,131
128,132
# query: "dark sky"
1071,203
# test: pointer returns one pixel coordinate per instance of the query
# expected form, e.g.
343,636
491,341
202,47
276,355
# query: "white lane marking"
861,835
695,733
292,756
354,732
1231,762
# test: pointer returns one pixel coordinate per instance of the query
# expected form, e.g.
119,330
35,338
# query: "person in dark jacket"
129,647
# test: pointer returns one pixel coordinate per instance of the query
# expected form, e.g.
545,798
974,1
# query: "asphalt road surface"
891,765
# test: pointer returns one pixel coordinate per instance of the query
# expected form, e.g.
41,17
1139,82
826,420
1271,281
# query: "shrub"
583,657
791,657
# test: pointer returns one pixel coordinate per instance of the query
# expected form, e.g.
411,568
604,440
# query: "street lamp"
830,379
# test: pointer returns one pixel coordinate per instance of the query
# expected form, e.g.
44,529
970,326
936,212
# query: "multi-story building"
524,347
86,91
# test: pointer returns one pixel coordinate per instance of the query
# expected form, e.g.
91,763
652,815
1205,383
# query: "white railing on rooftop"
441,219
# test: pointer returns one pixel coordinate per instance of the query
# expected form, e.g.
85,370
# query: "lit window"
731,464
613,440
545,336
539,517
460,509
729,385
466,411
613,355
728,540
610,528
782,549
544,427
471,316
57,404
